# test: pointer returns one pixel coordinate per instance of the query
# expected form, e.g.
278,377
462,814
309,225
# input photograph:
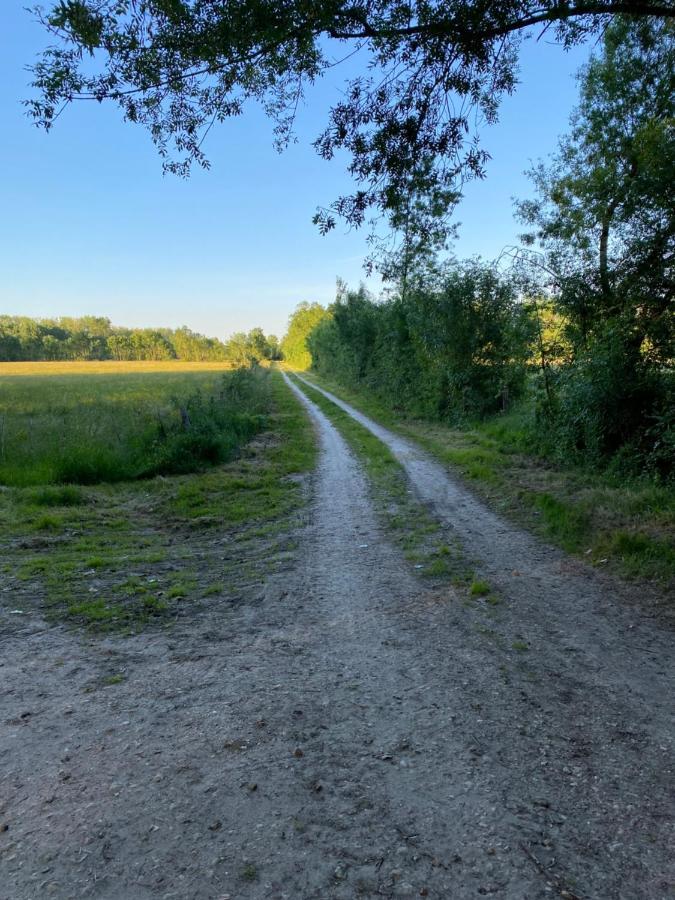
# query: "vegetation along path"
351,733
574,711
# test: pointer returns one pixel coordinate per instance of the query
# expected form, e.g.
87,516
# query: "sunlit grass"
66,423
107,367
132,554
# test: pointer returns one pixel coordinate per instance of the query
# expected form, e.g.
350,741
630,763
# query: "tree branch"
449,27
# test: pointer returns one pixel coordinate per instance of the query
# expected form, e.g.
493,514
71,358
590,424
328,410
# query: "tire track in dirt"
351,734
597,670
564,600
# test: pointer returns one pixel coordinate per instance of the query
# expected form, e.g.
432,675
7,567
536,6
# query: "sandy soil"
351,733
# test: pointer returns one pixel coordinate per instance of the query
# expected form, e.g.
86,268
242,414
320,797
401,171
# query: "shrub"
208,430
453,349
613,409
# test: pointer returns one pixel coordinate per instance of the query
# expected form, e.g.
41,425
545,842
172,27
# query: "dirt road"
351,734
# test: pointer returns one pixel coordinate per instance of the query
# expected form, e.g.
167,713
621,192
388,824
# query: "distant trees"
300,325
95,338
243,349
190,345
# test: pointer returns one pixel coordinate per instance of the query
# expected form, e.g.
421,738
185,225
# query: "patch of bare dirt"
348,734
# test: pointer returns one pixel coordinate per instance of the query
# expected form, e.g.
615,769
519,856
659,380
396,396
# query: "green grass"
411,526
624,524
567,523
48,523
479,588
641,556
182,588
60,429
63,495
249,872
136,554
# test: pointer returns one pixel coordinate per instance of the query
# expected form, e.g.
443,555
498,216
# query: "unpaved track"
557,601
351,734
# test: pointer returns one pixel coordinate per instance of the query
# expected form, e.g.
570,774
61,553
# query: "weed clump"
61,495
210,431
479,589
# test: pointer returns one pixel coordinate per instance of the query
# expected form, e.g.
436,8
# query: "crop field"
94,422
127,497
108,367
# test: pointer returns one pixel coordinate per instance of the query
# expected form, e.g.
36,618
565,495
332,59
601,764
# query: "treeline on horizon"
575,338
23,339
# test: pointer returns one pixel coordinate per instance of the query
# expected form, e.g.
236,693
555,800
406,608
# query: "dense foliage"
604,218
587,320
300,325
452,348
430,71
94,338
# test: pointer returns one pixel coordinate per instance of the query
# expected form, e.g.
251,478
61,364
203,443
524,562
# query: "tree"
10,345
258,343
120,345
604,213
454,346
300,325
180,66
605,218
476,336
274,348
92,337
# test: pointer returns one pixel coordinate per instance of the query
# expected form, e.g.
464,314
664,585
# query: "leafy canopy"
604,217
604,213
302,321
432,69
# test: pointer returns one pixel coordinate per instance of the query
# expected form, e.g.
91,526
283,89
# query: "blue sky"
90,225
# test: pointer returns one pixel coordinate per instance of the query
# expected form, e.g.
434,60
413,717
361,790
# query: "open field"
625,524
104,422
106,367
116,555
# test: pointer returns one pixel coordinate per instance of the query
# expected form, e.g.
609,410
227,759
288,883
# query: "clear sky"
90,225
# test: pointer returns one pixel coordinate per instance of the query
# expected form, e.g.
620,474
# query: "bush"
208,430
612,409
452,350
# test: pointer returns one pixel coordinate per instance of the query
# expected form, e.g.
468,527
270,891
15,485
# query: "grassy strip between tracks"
135,553
428,547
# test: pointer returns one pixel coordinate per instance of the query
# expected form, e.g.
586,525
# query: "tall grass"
86,429
138,553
